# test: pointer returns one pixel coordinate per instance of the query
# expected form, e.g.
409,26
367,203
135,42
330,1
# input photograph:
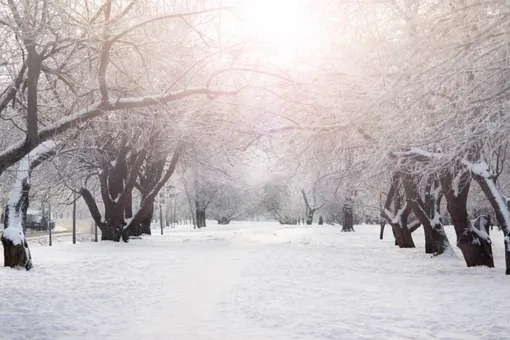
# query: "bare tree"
310,209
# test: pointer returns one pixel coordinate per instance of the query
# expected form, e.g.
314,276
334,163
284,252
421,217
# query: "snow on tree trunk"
111,232
118,178
111,227
439,240
16,251
396,214
475,246
149,193
483,176
414,226
398,222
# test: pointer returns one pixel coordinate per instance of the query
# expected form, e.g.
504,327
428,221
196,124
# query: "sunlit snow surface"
254,281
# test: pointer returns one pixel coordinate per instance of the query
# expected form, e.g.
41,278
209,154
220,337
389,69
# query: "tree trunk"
16,256
429,209
429,239
396,214
16,251
193,220
427,228
438,237
129,206
145,224
381,233
200,218
477,251
348,223
111,232
401,231
145,228
398,222
113,228
309,210
499,204
395,236
309,216
414,226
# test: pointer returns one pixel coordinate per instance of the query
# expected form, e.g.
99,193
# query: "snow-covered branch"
18,150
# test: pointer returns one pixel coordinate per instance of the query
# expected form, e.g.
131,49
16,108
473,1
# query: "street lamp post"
161,212
74,219
49,224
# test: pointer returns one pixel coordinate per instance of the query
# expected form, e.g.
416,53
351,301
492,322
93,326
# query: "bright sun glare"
286,26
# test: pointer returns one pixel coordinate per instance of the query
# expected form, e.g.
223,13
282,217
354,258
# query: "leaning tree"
16,251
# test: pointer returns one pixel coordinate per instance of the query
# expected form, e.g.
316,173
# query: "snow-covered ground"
254,281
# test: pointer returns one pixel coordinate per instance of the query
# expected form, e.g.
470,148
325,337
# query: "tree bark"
396,213
477,251
17,255
381,233
401,231
200,217
414,226
429,205
145,222
145,225
348,223
499,204
438,237
309,216
111,229
152,188
16,251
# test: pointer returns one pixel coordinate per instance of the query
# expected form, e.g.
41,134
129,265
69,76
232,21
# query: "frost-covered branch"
18,150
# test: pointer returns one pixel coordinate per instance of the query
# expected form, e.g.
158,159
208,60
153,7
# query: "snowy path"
253,281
